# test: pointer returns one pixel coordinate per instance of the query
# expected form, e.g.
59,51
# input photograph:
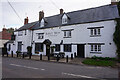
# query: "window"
19,46
9,47
38,47
40,35
67,34
67,47
95,47
64,21
57,47
95,32
20,33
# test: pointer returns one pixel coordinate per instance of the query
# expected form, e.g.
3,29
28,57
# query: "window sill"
41,38
67,37
67,51
96,52
95,35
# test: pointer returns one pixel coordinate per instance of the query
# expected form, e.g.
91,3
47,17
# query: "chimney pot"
26,21
114,2
41,15
61,11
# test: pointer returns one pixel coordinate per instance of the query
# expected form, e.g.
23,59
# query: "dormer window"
42,23
64,19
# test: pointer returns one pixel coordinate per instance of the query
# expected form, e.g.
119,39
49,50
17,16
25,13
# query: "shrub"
103,58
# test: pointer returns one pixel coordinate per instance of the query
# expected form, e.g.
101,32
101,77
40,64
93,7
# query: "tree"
116,34
116,38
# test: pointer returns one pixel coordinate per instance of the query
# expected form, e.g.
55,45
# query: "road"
20,68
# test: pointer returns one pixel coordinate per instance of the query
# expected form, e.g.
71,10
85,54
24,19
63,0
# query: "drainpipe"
32,39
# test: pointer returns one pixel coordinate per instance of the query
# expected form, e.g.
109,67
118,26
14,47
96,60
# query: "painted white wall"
80,35
25,39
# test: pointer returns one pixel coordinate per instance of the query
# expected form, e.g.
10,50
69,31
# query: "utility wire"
14,11
54,4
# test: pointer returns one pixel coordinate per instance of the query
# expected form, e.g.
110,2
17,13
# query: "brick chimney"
41,15
61,11
114,2
26,21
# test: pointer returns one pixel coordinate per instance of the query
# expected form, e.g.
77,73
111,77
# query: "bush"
18,52
103,58
99,62
29,50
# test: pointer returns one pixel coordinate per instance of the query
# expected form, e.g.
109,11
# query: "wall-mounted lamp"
110,43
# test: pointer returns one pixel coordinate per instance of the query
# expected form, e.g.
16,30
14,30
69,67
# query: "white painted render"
80,35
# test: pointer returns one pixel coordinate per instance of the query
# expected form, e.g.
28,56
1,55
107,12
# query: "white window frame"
40,35
67,34
95,31
96,48
64,19
20,33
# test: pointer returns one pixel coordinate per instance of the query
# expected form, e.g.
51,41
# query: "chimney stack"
61,11
41,15
114,2
26,21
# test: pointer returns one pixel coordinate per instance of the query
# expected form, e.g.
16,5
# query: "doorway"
80,50
47,50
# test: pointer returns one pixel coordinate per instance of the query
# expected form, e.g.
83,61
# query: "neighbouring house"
5,36
86,32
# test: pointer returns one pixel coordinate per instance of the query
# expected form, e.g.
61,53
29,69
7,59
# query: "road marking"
42,69
23,66
75,75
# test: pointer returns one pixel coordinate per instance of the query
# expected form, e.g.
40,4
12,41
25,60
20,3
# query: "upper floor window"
95,31
40,35
20,33
42,23
64,19
67,34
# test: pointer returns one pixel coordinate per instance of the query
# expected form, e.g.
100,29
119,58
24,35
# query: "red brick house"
5,35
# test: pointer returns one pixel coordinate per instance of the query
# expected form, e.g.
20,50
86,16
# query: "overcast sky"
31,9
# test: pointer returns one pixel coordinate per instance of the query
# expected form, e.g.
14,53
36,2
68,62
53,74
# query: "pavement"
75,61
24,68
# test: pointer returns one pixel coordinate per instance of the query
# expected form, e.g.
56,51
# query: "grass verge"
99,62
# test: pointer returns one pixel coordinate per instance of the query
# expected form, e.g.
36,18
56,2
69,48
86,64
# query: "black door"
47,49
80,50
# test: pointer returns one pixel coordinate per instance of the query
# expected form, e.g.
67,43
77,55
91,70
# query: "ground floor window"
57,47
95,47
38,47
67,47
19,46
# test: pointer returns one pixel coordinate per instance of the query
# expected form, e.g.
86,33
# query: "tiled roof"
106,12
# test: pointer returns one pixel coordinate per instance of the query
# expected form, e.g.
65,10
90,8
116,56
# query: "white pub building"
86,32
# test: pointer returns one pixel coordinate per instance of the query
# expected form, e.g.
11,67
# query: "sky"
31,8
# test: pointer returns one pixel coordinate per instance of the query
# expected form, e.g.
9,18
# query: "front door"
80,50
47,50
